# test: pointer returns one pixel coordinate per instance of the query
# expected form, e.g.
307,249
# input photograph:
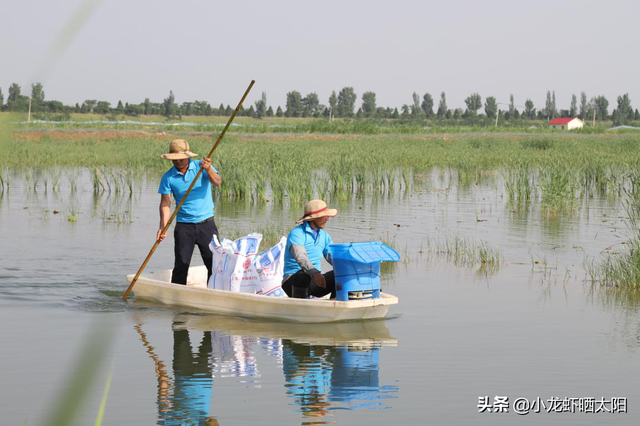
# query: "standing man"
195,224
307,244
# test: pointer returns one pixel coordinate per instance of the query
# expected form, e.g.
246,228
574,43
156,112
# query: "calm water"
530,330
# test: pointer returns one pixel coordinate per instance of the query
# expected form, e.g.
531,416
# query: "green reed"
622,271
464,252
551,169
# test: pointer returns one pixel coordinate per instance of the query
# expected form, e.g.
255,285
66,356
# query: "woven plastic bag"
270,269
233,266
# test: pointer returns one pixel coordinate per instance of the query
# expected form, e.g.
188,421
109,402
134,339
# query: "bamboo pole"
175,212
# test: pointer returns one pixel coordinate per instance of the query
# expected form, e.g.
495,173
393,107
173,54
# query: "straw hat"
315,209
178,150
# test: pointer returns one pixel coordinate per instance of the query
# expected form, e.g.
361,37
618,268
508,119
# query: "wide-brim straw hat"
315,209
178,150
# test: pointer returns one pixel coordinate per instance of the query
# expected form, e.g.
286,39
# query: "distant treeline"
340,105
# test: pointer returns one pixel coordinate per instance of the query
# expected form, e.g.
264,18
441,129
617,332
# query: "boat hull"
156,287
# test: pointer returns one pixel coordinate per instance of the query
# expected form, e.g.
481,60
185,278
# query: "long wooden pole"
175,212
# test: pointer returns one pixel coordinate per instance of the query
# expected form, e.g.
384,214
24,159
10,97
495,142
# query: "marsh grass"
298,167
557,190
464,252
520,186
622,271
551,172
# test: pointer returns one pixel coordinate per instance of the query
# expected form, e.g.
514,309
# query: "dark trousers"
302,280
187,236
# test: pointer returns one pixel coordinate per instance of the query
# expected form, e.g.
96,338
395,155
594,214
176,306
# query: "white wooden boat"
157,287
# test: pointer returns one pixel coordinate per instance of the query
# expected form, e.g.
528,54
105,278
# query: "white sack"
233,264
270,269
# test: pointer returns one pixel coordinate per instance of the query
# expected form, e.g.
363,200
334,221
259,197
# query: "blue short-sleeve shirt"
317,245
199,204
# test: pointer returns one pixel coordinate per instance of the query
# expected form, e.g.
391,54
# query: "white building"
566,123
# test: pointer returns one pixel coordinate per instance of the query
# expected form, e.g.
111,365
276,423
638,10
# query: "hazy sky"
210,50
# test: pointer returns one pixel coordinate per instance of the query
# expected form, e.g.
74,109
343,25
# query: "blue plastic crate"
357,267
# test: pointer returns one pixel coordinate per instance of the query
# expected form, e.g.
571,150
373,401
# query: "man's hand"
206,163
318,279
160,236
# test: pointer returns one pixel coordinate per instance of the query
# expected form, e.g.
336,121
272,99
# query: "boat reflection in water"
326,367
323,378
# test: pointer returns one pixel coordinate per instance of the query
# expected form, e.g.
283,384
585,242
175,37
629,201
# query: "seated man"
307,243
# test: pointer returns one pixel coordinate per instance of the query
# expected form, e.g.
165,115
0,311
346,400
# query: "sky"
210,50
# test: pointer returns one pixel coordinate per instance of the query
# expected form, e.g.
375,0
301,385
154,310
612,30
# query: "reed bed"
553,170
622,271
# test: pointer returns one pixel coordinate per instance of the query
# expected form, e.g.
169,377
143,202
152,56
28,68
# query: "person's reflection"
307,370
320,377
186,401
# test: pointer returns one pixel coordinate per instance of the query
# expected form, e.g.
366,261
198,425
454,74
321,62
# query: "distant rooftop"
561,120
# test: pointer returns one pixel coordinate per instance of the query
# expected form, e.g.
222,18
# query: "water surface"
532,329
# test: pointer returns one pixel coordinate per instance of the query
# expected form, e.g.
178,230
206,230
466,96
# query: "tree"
89,105
14,92
16,101
346,102
333,103
601,105
37,97
415,107
636,116
102,107
623,110
405,111
584,106
37,92
548,106
512,106
279,112
395,113
1,99
427,105
251,112
474,103
133,110
529,110
261,106
146,106
573,109
169,105
120,108
442,106
294,104
369,104
311,103
491,107
270,112
554,110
